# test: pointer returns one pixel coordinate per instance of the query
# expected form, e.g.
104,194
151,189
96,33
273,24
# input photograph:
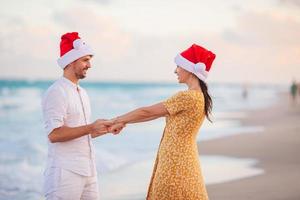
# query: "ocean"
125,161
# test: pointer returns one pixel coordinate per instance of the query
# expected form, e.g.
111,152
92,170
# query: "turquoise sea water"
125,160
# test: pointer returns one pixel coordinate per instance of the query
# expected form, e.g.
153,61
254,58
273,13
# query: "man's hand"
100,127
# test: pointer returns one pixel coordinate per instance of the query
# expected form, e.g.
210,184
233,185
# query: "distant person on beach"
177,174
71,172
298,86
293,92
245,91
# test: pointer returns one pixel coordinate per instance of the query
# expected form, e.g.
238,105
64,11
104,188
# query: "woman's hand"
116,128
100,127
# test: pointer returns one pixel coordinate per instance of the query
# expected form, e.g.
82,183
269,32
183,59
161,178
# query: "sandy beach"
277,150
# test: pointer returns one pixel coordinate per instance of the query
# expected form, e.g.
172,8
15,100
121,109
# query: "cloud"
102,32
27,50
290,2
264,29
263,47
102,2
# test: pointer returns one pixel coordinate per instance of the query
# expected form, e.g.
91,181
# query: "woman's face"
182,74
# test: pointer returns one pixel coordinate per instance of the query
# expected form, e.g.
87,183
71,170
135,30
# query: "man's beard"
80,75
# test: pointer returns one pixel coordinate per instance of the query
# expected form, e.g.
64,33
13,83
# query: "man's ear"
68,66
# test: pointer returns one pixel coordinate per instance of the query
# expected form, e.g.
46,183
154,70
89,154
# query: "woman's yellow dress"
177,174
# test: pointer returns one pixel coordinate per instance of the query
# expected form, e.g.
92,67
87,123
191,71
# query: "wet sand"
277,150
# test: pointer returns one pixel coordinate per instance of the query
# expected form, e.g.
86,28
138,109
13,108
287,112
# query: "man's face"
80,66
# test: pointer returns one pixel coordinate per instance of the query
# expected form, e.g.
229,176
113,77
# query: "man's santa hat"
196,60
72,47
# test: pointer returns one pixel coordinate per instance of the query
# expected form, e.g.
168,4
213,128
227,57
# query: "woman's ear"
190,75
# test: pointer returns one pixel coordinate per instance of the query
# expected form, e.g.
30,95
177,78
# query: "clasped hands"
103,126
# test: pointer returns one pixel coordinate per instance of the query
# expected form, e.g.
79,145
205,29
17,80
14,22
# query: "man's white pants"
65,185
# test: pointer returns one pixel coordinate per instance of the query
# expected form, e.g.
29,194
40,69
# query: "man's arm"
64,133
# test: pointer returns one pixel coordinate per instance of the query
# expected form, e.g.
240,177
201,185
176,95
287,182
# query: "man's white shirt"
67,104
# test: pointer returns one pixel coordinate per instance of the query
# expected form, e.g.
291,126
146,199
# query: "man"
71,171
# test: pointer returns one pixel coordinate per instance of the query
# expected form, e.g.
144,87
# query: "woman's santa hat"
72,47
196,60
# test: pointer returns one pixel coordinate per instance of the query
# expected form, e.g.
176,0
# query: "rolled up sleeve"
54,109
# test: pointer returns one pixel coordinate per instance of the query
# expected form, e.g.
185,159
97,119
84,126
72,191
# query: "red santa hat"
72,47
196,60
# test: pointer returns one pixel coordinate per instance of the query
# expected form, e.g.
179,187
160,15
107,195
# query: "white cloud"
102,2
26,51
103,32
290,2
259,47
264,47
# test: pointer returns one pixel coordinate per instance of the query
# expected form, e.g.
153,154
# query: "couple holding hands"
71,171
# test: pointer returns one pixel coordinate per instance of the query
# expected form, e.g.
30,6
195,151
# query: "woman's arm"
146,119
142,114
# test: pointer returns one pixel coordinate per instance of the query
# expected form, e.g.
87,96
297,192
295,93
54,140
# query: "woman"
177,174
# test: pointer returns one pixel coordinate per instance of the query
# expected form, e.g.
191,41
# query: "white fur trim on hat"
198,69
80,49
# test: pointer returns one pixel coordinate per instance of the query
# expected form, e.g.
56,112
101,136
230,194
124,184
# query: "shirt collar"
70,83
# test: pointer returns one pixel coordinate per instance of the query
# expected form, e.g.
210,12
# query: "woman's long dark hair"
207,99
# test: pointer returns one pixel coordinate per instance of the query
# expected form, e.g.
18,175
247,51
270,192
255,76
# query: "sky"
136,40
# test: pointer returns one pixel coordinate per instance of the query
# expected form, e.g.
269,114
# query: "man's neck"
73,79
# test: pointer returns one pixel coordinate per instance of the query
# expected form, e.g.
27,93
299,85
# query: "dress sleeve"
178,102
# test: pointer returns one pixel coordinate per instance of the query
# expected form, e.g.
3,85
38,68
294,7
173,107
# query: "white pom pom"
201,69
77,44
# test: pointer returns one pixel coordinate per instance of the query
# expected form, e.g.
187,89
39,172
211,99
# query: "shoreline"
276,150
